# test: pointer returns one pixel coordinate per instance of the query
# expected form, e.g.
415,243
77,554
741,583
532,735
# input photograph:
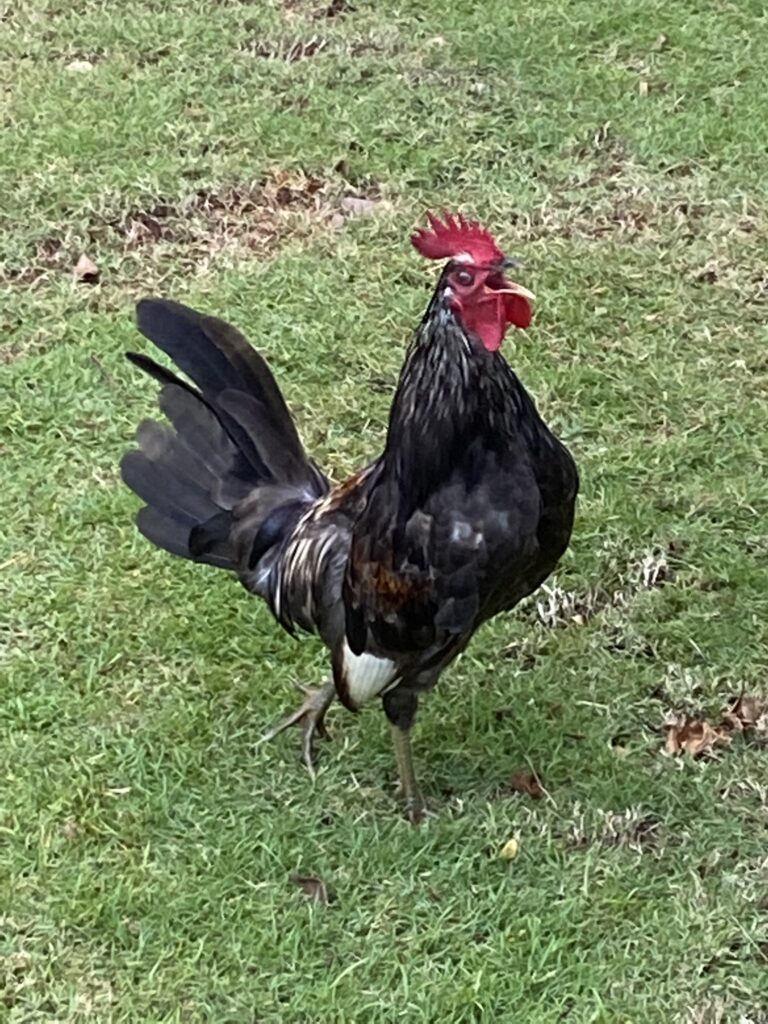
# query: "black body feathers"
467,510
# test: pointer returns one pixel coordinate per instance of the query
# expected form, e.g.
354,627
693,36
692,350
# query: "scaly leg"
311,717
415,808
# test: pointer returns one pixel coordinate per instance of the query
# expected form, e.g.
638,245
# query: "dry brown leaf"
733,722
686,735
689,736
745,712
314,888
528,783
86,270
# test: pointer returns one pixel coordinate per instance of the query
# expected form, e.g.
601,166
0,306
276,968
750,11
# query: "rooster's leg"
400,707
310,715
409,787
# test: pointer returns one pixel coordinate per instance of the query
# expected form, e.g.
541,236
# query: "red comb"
454,235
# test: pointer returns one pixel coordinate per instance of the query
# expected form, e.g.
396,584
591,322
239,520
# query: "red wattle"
517,309
488,321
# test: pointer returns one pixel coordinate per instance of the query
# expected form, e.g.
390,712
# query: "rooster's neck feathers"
452,392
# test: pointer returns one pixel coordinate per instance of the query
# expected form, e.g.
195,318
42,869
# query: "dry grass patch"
555,607
633,828
142,243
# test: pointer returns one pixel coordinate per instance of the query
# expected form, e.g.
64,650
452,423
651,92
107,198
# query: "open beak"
516,301
513,288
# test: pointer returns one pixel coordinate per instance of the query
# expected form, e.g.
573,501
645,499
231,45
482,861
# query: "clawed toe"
310,715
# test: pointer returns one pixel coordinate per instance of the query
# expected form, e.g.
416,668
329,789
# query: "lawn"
266,163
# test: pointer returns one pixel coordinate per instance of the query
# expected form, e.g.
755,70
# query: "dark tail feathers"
232,433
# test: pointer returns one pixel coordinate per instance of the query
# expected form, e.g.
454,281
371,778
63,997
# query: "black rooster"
466,512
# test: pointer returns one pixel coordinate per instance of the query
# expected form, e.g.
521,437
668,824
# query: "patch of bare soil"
134,242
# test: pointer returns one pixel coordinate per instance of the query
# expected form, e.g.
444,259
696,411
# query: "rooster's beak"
515,299
513,288
507,287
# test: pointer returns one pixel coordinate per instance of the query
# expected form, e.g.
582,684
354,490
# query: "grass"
147,849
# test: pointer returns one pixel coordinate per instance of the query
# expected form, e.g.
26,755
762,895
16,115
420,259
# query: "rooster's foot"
416,811
311,716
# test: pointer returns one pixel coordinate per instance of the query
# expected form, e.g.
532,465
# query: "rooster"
467,510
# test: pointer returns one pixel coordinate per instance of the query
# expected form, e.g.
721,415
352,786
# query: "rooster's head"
473,285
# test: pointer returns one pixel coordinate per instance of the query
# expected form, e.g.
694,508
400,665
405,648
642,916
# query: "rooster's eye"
464,277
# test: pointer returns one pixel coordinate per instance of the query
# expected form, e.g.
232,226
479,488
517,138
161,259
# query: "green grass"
147,847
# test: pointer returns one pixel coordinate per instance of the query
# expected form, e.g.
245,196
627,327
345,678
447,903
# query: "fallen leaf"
86,270
642,87
746,710
689,736
510,849
314,888
746,714
527,783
